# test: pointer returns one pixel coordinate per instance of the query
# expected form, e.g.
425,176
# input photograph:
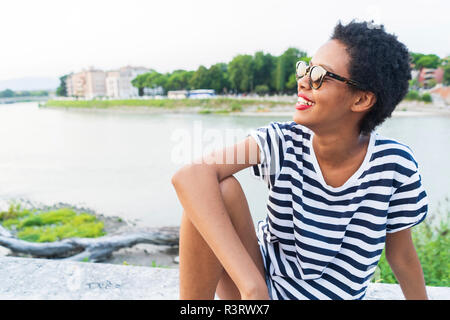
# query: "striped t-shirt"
324,242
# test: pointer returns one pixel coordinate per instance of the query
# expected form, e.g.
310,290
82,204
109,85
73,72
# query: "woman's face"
331,109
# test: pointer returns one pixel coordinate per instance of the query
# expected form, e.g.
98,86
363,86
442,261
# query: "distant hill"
30,83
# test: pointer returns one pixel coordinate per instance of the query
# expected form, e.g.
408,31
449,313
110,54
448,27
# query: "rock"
26,278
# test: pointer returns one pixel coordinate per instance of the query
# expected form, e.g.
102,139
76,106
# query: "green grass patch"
415,95
236,106
432,244
205,111
48,226
229,104
155,265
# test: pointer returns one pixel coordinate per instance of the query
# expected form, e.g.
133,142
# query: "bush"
412,95
431,243
236,106
426,97
261,89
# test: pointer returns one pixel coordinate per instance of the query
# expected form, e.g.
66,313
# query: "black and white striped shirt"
324,242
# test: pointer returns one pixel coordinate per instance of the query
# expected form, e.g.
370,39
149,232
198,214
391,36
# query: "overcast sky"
51,38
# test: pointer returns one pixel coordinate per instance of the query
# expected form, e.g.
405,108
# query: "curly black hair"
378,61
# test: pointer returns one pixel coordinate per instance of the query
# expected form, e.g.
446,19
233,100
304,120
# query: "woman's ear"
364,101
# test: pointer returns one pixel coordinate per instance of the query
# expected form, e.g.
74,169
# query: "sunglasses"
318,73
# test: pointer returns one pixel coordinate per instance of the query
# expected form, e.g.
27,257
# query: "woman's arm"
404,262
197,187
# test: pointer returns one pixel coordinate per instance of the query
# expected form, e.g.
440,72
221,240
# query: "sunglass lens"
316,75
301,69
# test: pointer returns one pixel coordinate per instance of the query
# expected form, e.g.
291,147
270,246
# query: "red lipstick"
303,102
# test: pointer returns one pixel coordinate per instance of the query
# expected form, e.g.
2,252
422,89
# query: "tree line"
261,73
8,93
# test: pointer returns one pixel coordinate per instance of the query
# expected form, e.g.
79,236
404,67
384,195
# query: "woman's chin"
300,118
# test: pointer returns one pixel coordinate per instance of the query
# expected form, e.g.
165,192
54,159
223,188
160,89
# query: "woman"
338,191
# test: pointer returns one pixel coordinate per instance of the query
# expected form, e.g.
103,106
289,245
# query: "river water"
120,163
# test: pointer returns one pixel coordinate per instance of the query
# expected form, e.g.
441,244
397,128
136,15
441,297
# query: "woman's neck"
336,149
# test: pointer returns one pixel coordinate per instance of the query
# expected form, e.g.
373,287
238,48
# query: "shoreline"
403,109
142,254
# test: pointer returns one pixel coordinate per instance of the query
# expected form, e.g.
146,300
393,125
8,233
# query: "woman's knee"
231,189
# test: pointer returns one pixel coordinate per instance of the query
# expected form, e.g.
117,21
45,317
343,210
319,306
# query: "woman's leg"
201,274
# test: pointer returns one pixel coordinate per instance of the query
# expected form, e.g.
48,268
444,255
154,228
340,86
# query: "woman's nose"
303,83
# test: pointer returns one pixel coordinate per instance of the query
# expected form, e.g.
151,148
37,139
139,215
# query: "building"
428,74
95,84
158,91
112,84
177,94
86,84
92,83
118,82
75,84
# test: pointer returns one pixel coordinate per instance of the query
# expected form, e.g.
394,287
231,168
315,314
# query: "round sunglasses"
318,73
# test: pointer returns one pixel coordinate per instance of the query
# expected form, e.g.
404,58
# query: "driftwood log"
90,249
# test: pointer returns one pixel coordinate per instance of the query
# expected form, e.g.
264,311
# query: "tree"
286,68
62,89
264,70
240,72
428,61
262,89
291,85
200,79
179,80
414,58
218,77
138,83
152,80
8,93
156,79
446,79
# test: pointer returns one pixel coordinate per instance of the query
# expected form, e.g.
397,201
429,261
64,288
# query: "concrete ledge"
25,278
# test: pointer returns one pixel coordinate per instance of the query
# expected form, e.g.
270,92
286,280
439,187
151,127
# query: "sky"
50,38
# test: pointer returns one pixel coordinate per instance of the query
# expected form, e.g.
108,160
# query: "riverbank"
216,105
146,255
241,107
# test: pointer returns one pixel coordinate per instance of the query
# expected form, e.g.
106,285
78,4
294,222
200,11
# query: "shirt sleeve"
271,145
408,205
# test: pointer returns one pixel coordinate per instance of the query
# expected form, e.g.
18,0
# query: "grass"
47,226
216,104
432,243
153,265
